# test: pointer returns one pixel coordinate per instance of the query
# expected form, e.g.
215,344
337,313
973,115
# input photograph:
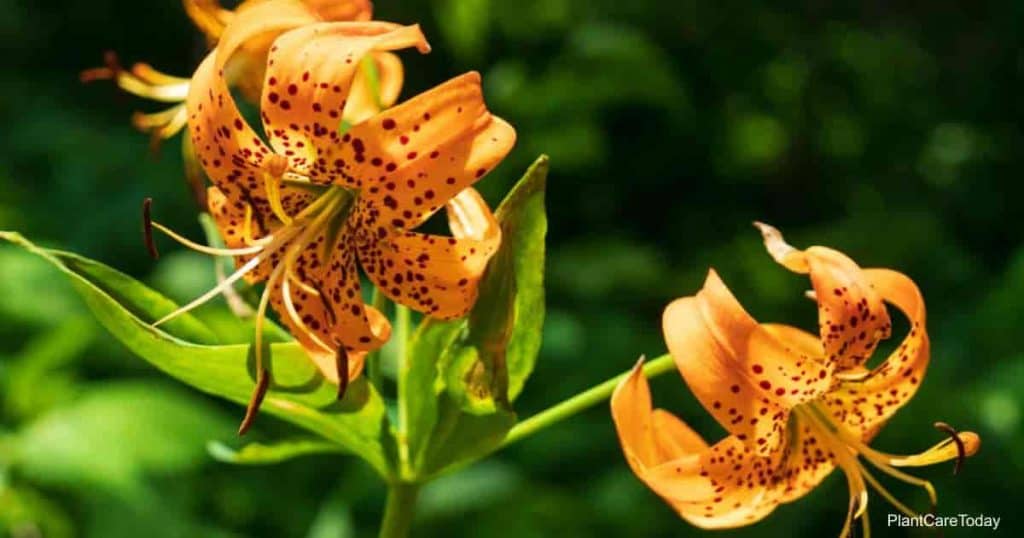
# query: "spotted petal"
376,87
720,486
263,19
416,156
436,275
852,318
742,373
230,152
310,72
864,404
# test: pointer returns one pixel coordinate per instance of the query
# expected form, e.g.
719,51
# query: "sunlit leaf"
489,363
298,392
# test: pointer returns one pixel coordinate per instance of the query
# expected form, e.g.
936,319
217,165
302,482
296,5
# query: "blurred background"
889,130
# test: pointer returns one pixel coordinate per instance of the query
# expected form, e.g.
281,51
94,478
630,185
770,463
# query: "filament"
293,314
220,287
244,251
885,493
882,461
229,281
262,376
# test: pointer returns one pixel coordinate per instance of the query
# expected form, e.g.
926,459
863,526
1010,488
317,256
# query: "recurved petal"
728,485
208,16
864,404
310,71
722,486
631,412
851,314
230,152
742,372
254,20
376,86
436,275
418,155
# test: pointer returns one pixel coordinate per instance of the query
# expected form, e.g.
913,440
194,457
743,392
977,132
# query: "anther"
110,71
147,229
961,450
341,363
251,410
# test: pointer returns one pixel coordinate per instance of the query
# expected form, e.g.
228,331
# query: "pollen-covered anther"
111,67
963,450
252,409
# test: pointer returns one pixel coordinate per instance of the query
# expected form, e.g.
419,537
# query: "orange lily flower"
300,212
796,405
250,29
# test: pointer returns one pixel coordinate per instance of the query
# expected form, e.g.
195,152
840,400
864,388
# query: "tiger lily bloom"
250,29
300,212
795,405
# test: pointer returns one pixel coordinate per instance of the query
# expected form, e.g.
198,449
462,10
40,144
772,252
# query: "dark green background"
889,130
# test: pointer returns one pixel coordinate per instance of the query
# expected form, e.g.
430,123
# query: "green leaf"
262,454
460,438
419,384
116,434
459,376
524,224
490,364
298,392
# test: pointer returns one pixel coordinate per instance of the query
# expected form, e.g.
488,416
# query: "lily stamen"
291,276
885,493
142,80
310,233
216,290
961,451
846,443
213,251
262,375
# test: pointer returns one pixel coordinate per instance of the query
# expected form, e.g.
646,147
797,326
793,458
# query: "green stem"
582,401
400,509
401,336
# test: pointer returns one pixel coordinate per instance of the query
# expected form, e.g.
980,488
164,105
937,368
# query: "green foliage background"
889,130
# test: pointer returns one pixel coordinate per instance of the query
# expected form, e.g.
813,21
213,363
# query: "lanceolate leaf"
182,348
515,279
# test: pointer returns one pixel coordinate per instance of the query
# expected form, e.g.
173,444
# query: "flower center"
322,219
